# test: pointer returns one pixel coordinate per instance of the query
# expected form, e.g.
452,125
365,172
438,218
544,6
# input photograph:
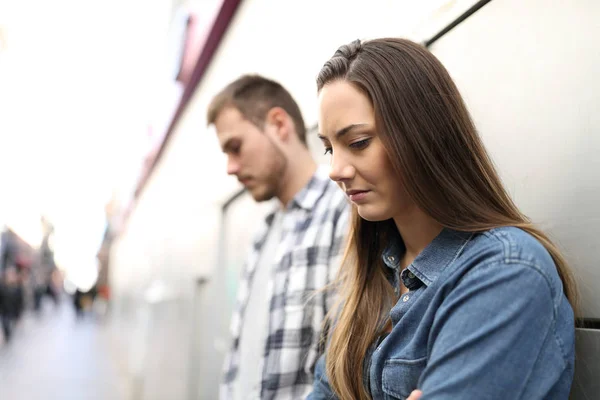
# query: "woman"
446,286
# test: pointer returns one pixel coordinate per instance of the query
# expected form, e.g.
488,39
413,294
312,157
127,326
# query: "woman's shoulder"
512,245
512,248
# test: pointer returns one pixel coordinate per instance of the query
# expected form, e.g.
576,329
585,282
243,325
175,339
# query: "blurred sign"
192,25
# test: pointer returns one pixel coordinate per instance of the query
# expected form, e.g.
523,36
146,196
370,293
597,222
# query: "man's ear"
279,123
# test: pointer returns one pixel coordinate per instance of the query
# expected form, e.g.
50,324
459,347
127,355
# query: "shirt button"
405,298
411,275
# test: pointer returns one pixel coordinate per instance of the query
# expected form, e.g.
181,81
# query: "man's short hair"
253,96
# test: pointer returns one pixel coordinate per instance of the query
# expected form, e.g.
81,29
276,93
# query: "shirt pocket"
400,377
307,274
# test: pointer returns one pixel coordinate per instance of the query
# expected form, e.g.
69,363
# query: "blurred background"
123,237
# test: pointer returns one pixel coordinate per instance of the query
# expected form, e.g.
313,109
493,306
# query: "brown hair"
254,96
434,147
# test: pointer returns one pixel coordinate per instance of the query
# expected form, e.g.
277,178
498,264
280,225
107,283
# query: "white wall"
532,87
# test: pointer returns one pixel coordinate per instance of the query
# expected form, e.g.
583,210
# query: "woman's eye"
328,150
361,144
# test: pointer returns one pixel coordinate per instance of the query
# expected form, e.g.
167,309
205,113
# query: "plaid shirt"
306,260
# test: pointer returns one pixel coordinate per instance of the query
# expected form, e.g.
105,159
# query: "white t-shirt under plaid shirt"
306,259
248,381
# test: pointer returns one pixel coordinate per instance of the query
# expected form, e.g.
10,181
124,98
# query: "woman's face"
359,162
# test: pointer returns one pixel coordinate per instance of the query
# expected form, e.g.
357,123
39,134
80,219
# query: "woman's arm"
321,389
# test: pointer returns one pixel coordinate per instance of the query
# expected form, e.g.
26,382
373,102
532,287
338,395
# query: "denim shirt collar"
430,263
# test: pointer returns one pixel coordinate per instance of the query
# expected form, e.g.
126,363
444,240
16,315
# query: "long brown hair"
434,147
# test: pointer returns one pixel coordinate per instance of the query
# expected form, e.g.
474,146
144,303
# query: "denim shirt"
485,318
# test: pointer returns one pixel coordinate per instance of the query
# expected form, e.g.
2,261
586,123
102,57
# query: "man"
277,322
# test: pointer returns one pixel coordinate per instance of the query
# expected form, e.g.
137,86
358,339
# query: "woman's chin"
370,213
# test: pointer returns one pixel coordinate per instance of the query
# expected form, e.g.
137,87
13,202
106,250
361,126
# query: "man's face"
252,156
